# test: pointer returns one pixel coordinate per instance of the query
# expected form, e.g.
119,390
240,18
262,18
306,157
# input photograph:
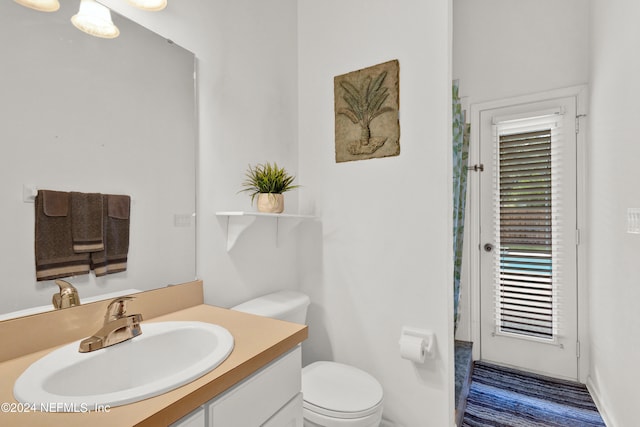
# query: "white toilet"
335,394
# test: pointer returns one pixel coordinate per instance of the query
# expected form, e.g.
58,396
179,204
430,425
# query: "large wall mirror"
85,114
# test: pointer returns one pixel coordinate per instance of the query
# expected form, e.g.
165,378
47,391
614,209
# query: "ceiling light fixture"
95,19
41,5
151,5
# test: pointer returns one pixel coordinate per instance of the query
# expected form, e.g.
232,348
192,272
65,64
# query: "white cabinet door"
195,419
256,399
289,416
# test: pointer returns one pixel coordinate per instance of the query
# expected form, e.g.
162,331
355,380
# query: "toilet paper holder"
428,341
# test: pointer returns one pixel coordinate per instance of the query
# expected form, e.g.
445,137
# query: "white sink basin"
166,356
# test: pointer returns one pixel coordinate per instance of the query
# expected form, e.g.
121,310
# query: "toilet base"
308,423
312,419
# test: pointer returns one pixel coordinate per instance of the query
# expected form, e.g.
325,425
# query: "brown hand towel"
86,222
54,255
113,259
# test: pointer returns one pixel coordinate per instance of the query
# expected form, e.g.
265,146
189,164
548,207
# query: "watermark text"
19,407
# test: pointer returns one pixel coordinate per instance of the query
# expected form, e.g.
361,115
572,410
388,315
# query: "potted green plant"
268,182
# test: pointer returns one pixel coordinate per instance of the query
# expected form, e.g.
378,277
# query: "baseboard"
602,408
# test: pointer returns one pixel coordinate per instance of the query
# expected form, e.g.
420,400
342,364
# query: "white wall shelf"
237,222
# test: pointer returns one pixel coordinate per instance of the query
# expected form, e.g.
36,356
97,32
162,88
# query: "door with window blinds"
528,237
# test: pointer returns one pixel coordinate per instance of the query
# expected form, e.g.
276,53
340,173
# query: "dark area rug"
503,397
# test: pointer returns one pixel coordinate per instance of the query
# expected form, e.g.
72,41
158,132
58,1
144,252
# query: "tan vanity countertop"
258,341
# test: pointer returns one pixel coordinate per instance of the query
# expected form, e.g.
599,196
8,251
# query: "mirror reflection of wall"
85,114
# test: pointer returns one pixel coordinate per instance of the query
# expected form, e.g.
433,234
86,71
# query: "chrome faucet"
67,297
118,327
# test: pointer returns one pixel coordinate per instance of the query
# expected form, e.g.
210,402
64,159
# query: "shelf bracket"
236,225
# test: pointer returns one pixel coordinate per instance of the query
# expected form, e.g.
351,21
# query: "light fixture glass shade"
95,19
41,5
152,5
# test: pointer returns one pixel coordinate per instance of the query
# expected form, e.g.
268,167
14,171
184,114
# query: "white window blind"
527,212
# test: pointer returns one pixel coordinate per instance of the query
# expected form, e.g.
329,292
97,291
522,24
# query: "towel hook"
29,193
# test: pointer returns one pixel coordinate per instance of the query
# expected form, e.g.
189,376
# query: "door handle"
488,247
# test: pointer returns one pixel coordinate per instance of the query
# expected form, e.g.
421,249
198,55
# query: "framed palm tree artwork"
366,113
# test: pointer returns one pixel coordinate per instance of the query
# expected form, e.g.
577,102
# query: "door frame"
581,94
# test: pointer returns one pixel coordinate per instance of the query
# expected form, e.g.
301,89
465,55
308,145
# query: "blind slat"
524,214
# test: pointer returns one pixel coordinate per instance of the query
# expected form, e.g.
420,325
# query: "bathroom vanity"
258,384
269,398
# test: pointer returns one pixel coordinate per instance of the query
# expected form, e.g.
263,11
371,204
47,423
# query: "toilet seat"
340,391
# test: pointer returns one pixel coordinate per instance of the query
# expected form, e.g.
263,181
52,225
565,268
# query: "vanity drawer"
288,416
256,399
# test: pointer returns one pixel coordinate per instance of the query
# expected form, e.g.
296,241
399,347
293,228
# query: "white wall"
502,49
613,267
384,257
247,61
371,264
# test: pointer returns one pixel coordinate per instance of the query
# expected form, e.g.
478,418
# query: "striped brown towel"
86,222
54,254
113,259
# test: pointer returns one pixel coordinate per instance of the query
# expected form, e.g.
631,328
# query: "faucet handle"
117,308
67,297
63,284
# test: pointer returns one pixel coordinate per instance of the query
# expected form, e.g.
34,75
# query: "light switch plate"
633,220
182,220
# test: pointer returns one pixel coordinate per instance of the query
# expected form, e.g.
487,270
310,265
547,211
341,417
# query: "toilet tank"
290,306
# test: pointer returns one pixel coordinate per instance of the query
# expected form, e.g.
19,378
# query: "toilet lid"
339,388
276,305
